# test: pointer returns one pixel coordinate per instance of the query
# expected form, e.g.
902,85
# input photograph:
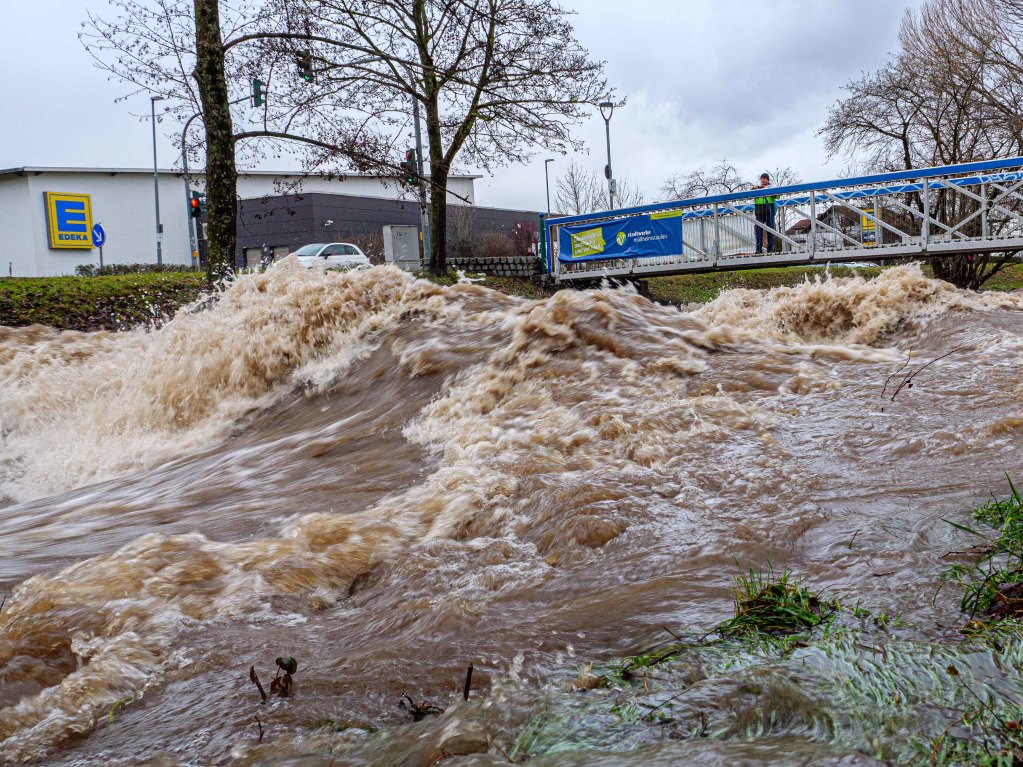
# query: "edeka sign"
69,217
656,234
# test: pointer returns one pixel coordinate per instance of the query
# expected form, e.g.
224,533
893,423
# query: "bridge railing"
970,208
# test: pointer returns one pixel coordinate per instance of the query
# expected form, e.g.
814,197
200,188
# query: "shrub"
372,245
494,245
95,303
524,236
109,270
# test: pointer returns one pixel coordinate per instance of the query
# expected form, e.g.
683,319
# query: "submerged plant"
994,585
765,604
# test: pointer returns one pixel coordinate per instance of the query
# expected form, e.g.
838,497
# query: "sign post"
98,238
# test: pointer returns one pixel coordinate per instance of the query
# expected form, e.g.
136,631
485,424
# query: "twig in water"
255,680
419,711
907,382
468,683
888,380
445,755
649,714
259,724
941,739
497,745
677,637
854,537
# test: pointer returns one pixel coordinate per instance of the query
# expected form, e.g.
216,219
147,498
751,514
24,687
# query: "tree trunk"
439,170
221,175
438,219
967,272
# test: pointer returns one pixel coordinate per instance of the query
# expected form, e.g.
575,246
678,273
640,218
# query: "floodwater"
388,480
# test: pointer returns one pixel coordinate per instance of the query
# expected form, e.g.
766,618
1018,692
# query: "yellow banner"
588,243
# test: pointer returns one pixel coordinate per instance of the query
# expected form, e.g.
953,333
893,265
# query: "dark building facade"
275,226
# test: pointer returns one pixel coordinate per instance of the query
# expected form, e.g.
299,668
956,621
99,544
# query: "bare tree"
580,191
627,195
575,191
496,79
201,56
723,178
940,100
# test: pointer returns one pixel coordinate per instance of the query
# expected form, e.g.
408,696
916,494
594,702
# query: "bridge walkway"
974,208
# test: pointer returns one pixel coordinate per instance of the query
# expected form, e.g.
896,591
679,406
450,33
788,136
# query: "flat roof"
40,169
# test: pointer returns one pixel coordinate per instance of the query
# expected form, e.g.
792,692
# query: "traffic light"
305,66
197,204
258,92
410,169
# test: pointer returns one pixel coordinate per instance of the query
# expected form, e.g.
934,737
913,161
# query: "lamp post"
156,183
607,109
547,176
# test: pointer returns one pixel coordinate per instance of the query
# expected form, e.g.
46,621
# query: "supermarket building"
48,215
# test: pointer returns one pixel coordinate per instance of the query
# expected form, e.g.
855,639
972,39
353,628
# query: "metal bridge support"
925,224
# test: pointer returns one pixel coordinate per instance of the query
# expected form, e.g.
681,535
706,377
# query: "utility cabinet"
401,247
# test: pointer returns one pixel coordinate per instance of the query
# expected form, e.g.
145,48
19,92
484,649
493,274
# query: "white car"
331,255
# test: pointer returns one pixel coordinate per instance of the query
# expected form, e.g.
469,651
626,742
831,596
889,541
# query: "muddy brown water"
388,480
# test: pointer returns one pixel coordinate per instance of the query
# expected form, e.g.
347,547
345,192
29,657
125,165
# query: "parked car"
331,255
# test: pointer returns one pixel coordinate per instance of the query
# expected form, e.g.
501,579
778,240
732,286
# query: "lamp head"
607,109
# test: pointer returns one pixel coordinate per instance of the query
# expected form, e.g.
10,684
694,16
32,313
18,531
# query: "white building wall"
18,256
122,202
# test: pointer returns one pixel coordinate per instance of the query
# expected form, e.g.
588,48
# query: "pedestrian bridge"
973,208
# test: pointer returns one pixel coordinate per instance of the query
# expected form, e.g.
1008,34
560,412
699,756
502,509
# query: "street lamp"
607,109
547,175
156,182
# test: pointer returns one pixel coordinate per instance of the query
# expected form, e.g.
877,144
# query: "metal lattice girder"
995,186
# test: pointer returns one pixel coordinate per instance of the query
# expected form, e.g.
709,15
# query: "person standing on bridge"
763,209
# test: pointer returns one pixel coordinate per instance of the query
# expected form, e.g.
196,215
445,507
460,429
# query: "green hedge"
96,303
91,270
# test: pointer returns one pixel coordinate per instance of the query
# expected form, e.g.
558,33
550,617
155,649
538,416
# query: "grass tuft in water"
994,585
773,605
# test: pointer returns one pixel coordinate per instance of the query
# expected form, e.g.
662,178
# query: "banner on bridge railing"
642,236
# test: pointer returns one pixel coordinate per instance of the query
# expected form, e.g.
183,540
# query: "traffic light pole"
193,234
424,200
193,251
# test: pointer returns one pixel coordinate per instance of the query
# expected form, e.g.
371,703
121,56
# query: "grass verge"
96,303
700,288
126,300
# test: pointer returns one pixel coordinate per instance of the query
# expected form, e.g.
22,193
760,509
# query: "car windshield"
309,250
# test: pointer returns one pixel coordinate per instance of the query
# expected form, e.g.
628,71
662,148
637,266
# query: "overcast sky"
750,80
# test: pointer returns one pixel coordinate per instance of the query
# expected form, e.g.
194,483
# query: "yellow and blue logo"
70,220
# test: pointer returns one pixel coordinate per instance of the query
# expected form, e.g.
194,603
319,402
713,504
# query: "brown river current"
388,480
